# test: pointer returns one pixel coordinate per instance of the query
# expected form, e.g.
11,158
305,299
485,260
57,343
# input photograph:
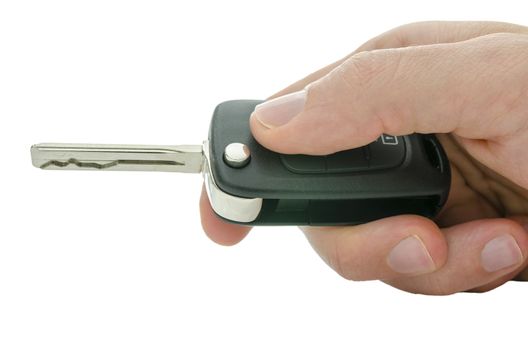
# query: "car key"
251,185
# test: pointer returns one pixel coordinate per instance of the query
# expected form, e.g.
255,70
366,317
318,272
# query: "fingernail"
499,253
410,257
280,110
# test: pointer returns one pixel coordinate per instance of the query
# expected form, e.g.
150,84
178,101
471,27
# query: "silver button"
237,155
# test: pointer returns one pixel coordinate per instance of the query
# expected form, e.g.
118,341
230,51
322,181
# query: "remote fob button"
341,162
303,164
386,152
347,161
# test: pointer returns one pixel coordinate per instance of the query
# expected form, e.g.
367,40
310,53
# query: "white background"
118,260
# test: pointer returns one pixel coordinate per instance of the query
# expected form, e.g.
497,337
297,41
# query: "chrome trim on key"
244,210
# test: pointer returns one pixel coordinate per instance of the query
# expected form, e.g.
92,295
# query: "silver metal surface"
187,159
233,208
57,156
237,155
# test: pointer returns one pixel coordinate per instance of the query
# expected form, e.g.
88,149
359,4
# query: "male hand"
465,81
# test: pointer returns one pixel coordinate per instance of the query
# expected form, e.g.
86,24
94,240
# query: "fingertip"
499,239
420,247
503,250
507,247
257,128
218,230
303,135
272,138
388,248
283,125
483,254
429,234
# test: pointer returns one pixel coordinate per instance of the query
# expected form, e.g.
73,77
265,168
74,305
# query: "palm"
478,192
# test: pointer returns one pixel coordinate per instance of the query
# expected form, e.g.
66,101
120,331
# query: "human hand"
467,82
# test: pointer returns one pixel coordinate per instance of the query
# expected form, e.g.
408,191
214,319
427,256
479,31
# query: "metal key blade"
64,156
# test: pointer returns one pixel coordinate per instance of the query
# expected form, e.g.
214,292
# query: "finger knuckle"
368,74
361,69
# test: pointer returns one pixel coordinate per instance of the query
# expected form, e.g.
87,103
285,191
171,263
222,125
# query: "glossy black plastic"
394,175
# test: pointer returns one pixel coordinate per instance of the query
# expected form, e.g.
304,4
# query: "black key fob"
249,184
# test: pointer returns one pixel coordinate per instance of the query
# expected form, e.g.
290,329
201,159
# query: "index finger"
412,34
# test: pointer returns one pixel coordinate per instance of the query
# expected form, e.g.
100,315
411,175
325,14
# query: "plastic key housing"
391,176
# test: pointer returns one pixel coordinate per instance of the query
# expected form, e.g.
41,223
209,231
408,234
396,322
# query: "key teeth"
79,164
102,166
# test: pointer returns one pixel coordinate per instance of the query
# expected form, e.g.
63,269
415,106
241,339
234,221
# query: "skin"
465,81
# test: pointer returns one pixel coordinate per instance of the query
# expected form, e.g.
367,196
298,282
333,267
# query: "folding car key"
249,184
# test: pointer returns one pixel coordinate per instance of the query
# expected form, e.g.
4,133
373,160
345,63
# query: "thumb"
437,88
